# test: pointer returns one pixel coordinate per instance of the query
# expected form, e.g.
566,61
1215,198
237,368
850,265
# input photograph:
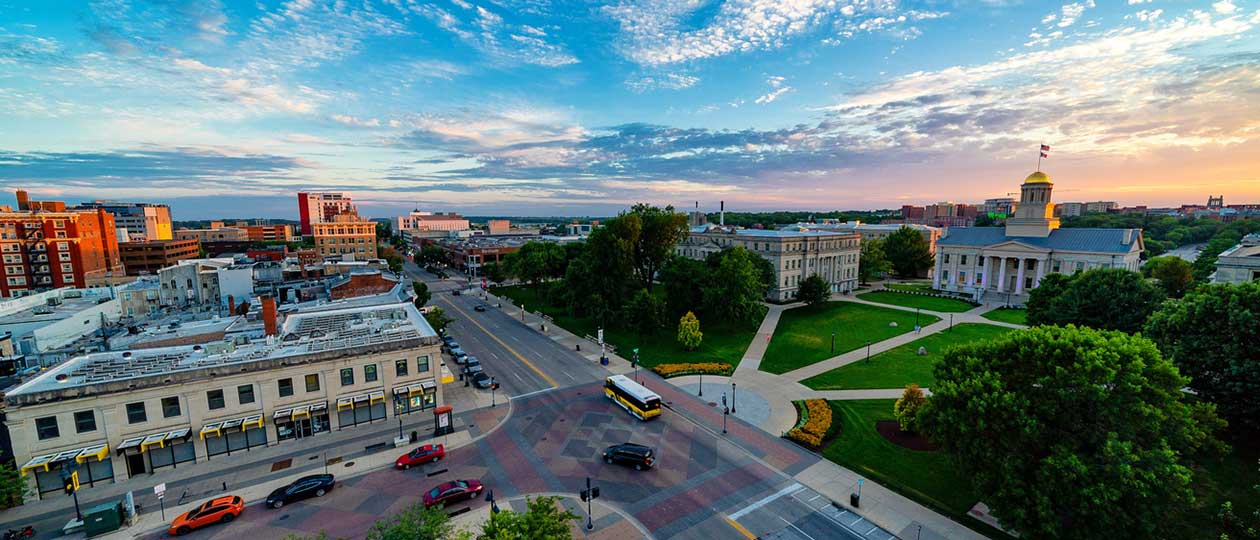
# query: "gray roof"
1069,239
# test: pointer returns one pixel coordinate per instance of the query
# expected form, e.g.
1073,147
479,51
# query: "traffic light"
71,483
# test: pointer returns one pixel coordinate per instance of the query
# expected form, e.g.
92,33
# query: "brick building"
315,207
149,257
43,250
348,235
266,233
361,284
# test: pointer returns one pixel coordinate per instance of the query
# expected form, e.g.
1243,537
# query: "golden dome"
1037,178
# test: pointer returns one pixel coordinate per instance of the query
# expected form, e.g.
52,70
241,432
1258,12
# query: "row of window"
85,421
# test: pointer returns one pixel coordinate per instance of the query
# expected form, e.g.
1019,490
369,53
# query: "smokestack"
231,305
722,214
270,326
24,202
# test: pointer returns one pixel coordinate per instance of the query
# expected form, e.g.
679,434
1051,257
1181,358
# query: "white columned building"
1002,264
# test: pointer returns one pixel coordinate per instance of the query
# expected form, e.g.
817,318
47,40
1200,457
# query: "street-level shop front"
92,463
360,409
234,435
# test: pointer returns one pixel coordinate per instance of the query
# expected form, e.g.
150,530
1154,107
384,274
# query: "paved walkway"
751,362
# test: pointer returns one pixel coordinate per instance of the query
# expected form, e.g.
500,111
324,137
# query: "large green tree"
645,312
908,252
598,283
683,280
735,288
422,293
494,272
437,319
1173,274
813,290
872,263
1213,335
431,254
535,262
543,520
1103,298
1070,433
660,230
417,523
1205,264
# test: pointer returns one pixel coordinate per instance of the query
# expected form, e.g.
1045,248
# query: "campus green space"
721,343
930,303
902,365
803,336
911,286
1008,315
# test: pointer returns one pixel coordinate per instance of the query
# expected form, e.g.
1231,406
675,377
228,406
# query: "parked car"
457,352
479,307
481,380
428,453
303,488
471,361
452,492
473,370
455,292
217,510
448,341
635,455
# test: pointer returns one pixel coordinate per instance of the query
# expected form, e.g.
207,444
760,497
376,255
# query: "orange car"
219,510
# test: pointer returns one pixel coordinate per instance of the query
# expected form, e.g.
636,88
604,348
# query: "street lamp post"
732,397
400,433
492,387
951,322
916,319
725,411
701,394
833,343
868,351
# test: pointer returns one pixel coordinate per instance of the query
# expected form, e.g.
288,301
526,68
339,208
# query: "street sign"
160,490
601,336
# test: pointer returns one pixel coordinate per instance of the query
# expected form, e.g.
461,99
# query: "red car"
220,510
425,454
452,492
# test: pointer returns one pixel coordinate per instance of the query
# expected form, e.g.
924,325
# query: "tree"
12,485
1239,527
422,293
1173,274
907,408
1211,335
1103,298
383,231
494,272
689,335
908,252
660,230
985,220
645,312
542,520
1042,413
535,262
683,280
734,291
431,254
872,262
597,284
417,523
1205,263
437,319
813,290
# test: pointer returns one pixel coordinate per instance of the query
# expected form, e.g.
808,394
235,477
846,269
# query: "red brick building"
149,257
361,284
42,250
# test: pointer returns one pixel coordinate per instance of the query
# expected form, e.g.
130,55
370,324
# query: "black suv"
636,455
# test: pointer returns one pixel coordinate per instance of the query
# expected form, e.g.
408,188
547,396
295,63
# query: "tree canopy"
736,287
1103,298
813,290
1213,335
1173,274
437,319
535,262
645,312
422,292
417,523
908,252
872,262
660,230
684,281
542,520
1070,433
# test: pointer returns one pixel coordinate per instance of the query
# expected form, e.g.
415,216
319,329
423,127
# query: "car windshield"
461,484
435,493
417,452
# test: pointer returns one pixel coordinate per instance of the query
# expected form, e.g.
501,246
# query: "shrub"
907,408
815,423
707,368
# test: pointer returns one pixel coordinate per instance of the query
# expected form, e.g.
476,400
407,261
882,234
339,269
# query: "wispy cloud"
489,33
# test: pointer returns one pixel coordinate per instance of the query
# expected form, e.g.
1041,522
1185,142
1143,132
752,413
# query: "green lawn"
932,303
1008,315
803,336
911,286
902,365
722,343
927,477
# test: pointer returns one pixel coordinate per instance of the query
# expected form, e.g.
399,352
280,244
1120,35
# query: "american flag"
1045,148
1045,155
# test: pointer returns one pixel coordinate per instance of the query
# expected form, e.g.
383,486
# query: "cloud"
179,168
355,121
769,98
666,81
1071,12
1225,7
504,43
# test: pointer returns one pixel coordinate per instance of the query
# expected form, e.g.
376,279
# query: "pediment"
1015,245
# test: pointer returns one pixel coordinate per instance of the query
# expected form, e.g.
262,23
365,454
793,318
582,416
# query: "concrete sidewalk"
751,361
617,365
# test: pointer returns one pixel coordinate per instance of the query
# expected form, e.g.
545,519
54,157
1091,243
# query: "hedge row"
707,368
965,297
814,424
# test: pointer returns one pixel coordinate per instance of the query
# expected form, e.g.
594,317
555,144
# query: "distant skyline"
547,107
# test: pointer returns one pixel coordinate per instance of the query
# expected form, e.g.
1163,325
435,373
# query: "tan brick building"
348,235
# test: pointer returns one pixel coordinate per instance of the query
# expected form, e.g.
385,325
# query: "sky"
546,107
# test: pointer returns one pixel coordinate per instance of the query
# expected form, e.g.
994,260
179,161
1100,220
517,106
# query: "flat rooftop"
765,233
64,308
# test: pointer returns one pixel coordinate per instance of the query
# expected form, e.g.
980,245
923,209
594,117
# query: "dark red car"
452,492
424,454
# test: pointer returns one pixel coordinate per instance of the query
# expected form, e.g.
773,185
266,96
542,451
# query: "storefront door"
135,464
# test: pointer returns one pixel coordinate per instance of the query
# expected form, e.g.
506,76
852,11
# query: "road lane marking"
531,365
744,511
735,524
798,529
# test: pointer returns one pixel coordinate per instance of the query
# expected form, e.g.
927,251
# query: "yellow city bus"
633,397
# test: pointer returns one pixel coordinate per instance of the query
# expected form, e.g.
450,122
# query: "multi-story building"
214,234
206,284
122,414
346,235
142,222
1006,263
1072,209
141,298
581,229
429,221
1240,263
58,320
498,226
794,254
319,207
998,207
149,257
875,231
43,250
266,233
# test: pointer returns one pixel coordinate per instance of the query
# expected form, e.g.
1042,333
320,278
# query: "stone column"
1041,271
936,276
984,274
1019,279
1001,284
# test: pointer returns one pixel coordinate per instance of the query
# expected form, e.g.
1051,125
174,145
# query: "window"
422,364
400,368
286,387
1080,266
945,276
369,373
135,413
962,278
946,258
312,382
84,421
245,394
962,259
1057,266
170,407
46,428
215,399
980,262
347,376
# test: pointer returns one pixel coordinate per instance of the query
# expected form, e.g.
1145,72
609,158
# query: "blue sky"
539,107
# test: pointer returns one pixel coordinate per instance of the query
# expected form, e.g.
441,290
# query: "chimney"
269,316
231,305
24,202
722,215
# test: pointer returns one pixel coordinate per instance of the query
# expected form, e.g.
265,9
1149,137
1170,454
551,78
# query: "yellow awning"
377,396
301,411
345,403
215,428
99,452
158,439
40,462
252,421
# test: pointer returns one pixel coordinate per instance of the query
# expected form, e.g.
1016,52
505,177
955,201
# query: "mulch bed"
890,430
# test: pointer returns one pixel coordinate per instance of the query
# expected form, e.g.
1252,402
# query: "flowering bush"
814,424
707,368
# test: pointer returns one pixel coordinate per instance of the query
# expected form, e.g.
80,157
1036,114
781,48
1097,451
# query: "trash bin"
854,499
415,436
102,518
